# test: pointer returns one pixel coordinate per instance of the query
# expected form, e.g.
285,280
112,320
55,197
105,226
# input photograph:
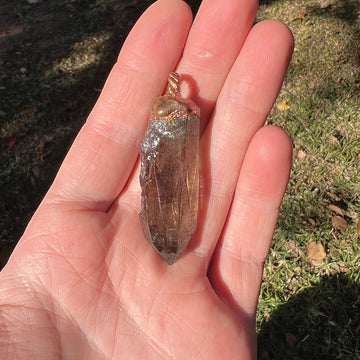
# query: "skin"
83,283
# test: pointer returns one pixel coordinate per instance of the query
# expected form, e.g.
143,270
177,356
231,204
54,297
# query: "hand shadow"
322,322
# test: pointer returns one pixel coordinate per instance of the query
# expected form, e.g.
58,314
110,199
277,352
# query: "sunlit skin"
83,283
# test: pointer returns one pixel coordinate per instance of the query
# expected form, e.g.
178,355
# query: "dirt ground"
54,59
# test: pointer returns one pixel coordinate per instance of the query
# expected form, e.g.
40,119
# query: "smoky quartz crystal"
169,176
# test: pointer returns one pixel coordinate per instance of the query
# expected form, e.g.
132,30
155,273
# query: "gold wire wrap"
173,83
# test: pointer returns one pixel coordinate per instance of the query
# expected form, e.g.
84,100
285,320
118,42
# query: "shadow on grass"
46,92
346,11
54,59
42,105
322,322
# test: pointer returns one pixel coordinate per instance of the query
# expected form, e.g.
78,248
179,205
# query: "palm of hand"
96,294
87,283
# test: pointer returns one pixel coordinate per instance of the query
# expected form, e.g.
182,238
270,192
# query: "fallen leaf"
344,269
339,223
30,110
340,268
283,106
301,154
41,145
311,221
301,16
291,339
336,209
358,228
11,141
316,253
334,140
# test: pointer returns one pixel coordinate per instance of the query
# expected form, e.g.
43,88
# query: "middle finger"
216,37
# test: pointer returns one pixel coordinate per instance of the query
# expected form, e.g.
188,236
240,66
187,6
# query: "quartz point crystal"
169,176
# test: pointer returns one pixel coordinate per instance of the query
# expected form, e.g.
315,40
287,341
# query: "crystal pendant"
169,176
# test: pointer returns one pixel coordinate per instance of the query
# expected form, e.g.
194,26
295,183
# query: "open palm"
83,283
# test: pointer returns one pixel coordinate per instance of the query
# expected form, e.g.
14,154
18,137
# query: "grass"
54,68
306,311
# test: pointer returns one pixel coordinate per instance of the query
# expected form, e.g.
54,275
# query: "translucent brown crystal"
169,176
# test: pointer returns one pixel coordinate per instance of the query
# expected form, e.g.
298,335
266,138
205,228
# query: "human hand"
83,283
